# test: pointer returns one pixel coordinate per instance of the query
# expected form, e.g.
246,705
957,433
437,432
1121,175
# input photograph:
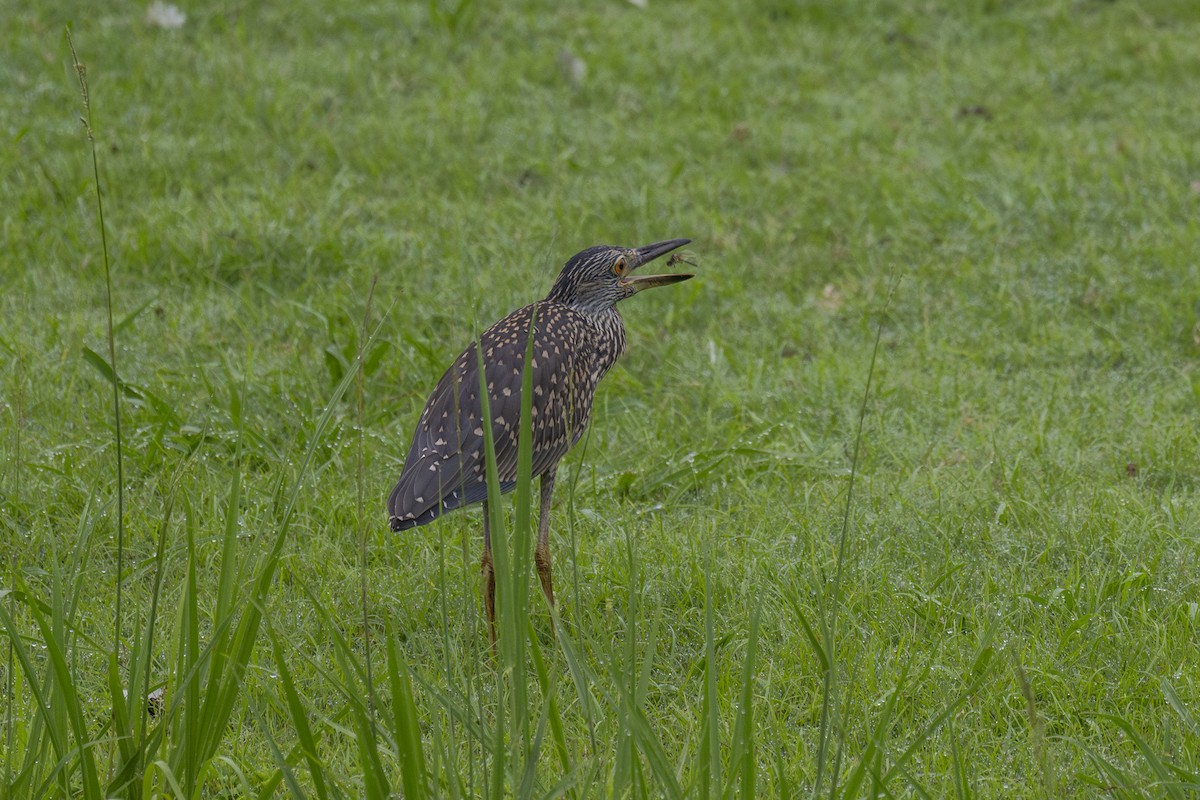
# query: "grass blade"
405,728
708,766
81,74
299,714
547,683
830,630
229,662
285,771
53,732
360,481
1164,777
741,760
65,695
370,763
1181,709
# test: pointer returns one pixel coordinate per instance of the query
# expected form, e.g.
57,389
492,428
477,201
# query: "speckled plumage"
572,350
578,336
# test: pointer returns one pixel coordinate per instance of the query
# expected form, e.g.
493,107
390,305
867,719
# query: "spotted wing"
445,465
562,389
436,471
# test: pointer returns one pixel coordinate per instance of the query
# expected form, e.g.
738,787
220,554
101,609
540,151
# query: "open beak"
647,254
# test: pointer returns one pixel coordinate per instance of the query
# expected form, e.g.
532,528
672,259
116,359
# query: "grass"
1017,609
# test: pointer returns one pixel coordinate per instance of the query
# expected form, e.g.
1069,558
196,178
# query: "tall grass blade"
588,707
121,723
547,684
522,554
226,581
652,750
741,760
230,654
186,725
581,676
361,485
648,659
626,769
511,559
164,769
299,715
498,774
206,719
65,696
56,734
708,766
813,641
830,628
18,412
962,789
1180,708
86,119
506,627
370,762
534,750
1165,778
285,771
405,728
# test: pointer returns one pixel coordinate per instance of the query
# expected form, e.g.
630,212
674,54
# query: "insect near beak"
646,254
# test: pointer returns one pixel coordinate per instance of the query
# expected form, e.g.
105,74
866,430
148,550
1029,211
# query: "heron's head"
598,278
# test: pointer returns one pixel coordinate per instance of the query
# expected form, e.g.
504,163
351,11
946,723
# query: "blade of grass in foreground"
708,764
299,714
230,654
741,760
183,714
366,734
129,698
18,412
285,771
829,629
1168,779
360,481
50,722
125,742
511,560
547,684
63,694
86,119
57,734
506,630
405,729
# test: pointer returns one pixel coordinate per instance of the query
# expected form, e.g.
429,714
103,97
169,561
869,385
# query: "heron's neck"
610,336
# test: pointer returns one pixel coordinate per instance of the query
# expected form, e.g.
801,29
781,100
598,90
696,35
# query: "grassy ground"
1017,605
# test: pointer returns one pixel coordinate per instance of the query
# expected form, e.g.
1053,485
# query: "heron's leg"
489,577
541,555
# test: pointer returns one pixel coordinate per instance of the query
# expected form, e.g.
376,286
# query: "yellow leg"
489,579
541,555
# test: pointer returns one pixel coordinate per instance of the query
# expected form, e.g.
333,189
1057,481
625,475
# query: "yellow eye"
619,265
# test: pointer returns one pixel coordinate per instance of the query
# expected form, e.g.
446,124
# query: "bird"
578,335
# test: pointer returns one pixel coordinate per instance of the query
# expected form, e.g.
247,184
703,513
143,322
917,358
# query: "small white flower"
165,16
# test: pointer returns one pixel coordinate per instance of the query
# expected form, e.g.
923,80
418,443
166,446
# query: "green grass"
1017,610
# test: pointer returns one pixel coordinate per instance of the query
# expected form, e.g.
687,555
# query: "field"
900,496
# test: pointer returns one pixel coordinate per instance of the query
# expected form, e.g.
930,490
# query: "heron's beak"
647,254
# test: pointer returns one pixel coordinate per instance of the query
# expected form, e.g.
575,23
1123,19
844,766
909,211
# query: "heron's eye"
619,265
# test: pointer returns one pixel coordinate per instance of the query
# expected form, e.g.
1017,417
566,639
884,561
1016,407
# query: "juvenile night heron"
578,336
